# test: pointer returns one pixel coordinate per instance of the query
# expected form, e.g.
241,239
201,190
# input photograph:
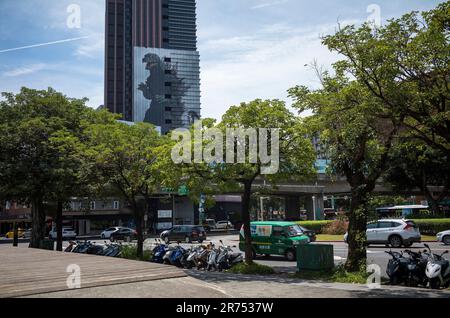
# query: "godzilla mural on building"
166,94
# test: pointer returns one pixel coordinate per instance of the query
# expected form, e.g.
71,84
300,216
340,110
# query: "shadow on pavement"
283,281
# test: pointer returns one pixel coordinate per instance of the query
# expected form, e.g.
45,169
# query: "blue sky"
249,48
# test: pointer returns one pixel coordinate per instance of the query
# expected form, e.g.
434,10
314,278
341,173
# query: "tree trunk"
357,240
246,222
138,215
38,222
16,235
434,204
59,231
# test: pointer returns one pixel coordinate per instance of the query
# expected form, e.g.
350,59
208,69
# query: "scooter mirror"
426,245
234,246
446,252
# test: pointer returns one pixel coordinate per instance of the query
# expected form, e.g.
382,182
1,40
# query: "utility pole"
314,207
16,235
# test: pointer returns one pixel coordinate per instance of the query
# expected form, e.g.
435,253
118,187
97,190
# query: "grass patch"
130,252
252,269
329,238
429,238
336,275
340,238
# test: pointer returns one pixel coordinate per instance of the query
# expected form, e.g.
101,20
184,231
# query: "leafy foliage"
296,155
40,131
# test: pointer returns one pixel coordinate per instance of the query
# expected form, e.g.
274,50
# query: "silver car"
444,237
393,232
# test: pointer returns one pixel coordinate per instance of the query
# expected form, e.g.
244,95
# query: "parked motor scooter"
416,269
438,270
112,250
202,256
94,249
82,247
192,256
212,258
227,258
397,268
167,255
177,255
71,247
158,252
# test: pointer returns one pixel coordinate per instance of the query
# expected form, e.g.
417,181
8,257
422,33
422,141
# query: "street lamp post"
314,207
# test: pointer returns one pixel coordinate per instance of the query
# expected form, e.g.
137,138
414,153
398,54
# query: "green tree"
405,65
415,165
131,159
296,154
37,163
358,142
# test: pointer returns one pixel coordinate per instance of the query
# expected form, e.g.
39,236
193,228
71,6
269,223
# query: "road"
199,284
375,253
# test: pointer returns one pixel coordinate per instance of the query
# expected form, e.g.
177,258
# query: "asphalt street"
376,254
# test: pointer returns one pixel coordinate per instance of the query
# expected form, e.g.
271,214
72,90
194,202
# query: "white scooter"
438,270
212,258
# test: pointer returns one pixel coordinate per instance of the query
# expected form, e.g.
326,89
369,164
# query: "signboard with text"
164,214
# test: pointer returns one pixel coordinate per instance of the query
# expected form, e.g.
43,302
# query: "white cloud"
262,65
24,70
269,4
93,47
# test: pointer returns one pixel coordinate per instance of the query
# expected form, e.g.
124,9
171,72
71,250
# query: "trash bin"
47,245
315,257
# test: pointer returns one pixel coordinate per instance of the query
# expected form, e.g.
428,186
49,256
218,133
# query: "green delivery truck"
275,238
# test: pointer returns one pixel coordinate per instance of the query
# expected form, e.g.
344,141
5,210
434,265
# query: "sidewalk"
229,286
37,273
276,286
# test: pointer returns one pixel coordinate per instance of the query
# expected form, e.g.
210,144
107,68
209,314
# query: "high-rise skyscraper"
152,67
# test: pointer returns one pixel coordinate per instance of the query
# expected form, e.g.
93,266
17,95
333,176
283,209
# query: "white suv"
393,232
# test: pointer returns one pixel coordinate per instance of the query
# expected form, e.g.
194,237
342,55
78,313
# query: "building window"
168,72
116,205
167,59
168,121
168,84
168,109
168,96
92,205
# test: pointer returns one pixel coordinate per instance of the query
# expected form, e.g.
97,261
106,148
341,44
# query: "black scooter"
397,268
416,269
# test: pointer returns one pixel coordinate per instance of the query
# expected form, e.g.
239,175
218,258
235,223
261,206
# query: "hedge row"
315,226
426,226
433,226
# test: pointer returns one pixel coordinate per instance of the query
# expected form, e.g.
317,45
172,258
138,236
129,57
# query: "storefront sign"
164,214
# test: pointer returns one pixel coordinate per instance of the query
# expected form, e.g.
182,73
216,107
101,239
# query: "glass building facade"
152,67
